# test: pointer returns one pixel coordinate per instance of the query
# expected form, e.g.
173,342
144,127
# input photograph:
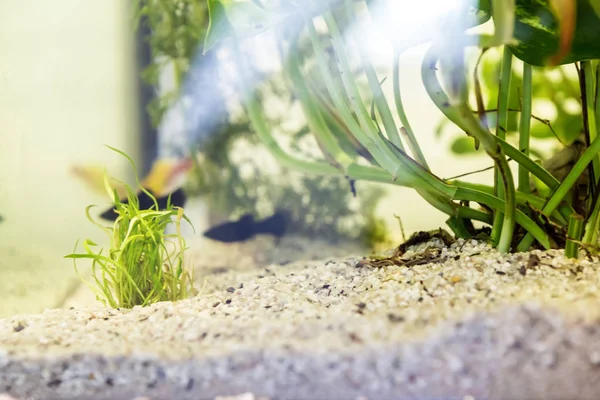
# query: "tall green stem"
591,227
495,152
260,125
378,96
573,236
590,155
501,127
437,95
524,126
565,186
465,119
503,13
315,118
394,159
591,94
410,136
375,174
369,139
262,130
497,204
596,65
522,199
590,100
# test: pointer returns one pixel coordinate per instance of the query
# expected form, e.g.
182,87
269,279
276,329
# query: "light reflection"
393,23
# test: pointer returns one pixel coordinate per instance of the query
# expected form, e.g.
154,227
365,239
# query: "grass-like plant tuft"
143,264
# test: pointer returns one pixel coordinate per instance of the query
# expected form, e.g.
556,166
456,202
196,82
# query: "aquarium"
300,199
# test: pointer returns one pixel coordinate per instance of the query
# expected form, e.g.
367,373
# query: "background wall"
67,87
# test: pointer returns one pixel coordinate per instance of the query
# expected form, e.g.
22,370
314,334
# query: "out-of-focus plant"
220,177
176,26
361,138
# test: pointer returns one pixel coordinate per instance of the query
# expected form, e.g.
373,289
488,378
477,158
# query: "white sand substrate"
469,324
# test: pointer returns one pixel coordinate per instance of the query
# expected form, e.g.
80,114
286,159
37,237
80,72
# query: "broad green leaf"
565,12
537,31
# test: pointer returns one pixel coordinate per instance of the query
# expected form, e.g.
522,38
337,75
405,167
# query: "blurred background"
69,85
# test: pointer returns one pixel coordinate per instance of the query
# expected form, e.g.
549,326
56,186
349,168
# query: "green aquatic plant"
143,264
361,139
176,35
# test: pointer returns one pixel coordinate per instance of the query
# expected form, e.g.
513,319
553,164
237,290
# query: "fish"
145,202
246,227
165,179
93,177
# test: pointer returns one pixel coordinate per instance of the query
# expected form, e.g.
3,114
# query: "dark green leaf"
596,6
536,29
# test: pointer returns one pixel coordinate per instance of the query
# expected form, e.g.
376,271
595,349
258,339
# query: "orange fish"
166,178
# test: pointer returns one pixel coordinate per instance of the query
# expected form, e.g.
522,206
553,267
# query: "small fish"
247,227
165,178
93,177
178,199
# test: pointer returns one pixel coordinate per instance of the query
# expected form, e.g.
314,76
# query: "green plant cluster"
177,28
143,265
363,135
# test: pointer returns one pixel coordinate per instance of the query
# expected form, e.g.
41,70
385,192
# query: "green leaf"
538,36
240,19
596,6
219,27
565,12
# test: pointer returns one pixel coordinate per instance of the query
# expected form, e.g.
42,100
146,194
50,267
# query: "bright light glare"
407,22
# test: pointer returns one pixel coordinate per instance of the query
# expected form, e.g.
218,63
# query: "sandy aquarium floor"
310,320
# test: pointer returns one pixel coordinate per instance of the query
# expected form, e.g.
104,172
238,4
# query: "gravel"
471,322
